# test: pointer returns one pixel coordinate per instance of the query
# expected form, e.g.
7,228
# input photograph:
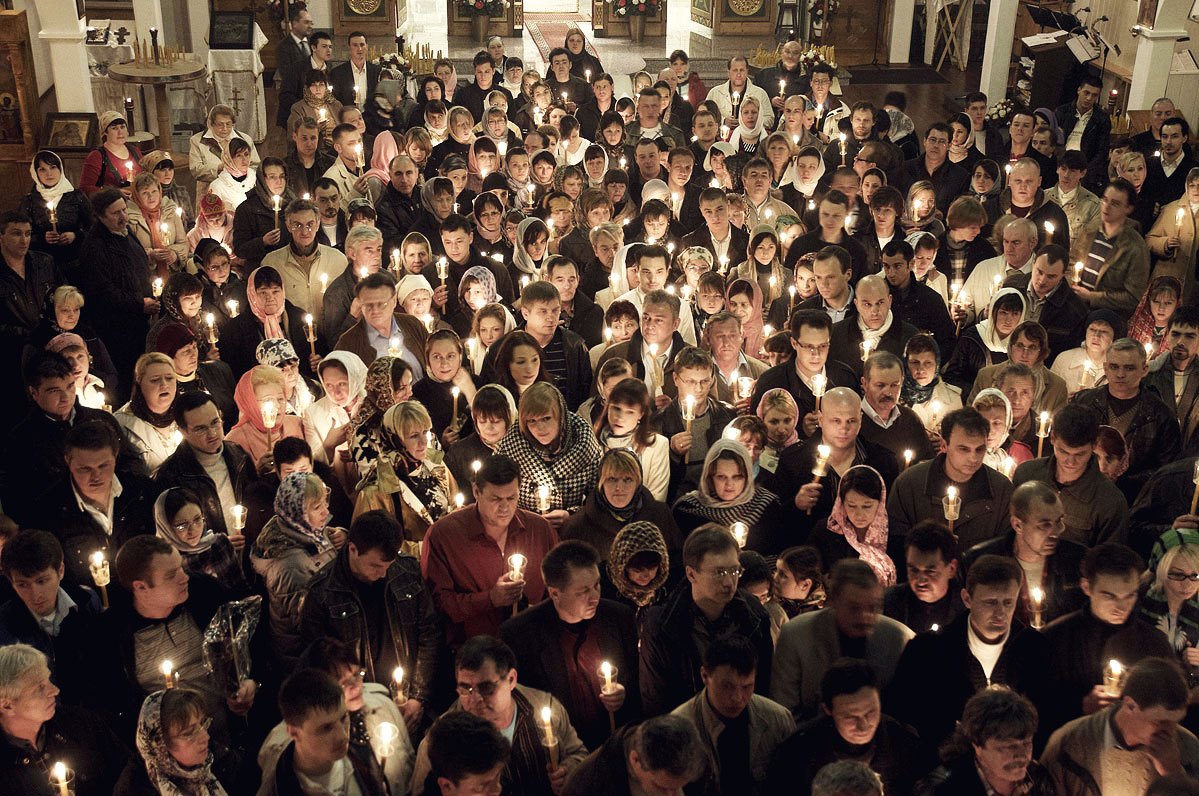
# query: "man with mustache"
884,422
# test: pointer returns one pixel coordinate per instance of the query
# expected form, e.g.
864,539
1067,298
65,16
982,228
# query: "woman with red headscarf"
262,415
270,315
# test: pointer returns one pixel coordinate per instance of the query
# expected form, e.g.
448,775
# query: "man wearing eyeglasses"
949,179
486,681
303,261
676,633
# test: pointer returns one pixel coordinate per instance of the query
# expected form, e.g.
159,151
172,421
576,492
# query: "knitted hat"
158,159
62,342
212,205
172,337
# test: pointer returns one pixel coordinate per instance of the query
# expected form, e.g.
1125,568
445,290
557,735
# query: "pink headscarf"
271,325
752,336
385,150
872,550
763,408
249,410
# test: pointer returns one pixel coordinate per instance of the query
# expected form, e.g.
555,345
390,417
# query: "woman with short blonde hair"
1169,603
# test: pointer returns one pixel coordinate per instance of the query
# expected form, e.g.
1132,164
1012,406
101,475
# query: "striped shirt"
1101,249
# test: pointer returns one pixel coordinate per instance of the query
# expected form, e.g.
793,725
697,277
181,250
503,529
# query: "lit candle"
311,330
168,673
822,454
1182,213
715,183
1042,431
1038,598
843,148
740,533
232,305
1078,268
383,741
1113,674
60,774
1049,228
811,204
819,382
551,743
102,576
782,87
156,288
867,346
358,157
476,466
275,201
239,517
543,498
129,169
746,385
587,75
907,458
1008,466
1008,169
1148,350
321,112
210,322
1087,374
430,322
459,500
324,282
516,567
689,411
952,505
607,337
270,414
624,162
53,217
393,347
443,269
455,391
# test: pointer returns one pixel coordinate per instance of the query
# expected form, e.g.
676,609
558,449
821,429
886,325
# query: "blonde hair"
17,662
781,400
146,360
539,399
408,416
618,462
64,293
985,403
314,489
610,230
1183,554
144,180
1129,158
267,374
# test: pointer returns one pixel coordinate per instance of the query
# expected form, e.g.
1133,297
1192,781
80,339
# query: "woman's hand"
556,517
811,422
441,295
338,537
336,437
240,703
266,463
238,540
449,436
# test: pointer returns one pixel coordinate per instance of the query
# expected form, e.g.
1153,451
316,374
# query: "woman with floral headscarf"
179,519
388,381
404,481
857,528
727,494
780,413
1148,324
476,290
278,352
174,745
924,391
259,392
72,210
292,547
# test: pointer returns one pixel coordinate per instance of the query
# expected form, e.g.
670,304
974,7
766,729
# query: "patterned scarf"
379,393
912,392
291,509
165,772
749,507
873,548
271,324
634,538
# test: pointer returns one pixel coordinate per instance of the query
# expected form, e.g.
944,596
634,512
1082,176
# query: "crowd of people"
521,438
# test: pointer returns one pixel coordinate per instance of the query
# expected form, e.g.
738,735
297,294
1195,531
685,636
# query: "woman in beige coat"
156,225
1174,238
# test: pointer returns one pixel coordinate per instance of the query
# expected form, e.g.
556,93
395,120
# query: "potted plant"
480,13
635,11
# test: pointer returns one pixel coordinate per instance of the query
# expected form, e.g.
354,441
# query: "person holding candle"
312,100
490,325
1115,256
598,630
653,349
146,420
269,314
258,226
260,399
986,641
743,297
238,177
1084,641
89,389
207,148
462,252
465,558
388,381
114,163
278,352
175,750
154,223
1172,238
930,596
722,337
492,412
780,418
72,213
327,420
995,404
923,390
179,519
1152,315
476,289
1144,720
36,730
916,494
213,377
871,327
986,342
1082,367
363,246
857,527
214,222
403,481
291,548
348,172
182,303
1024,198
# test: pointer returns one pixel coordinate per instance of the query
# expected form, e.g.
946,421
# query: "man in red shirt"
468,557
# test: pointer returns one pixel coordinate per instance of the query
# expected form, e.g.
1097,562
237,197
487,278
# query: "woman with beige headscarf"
207,147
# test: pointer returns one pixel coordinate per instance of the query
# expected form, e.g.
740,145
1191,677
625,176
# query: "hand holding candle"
1113,678
309,330
823,452
168,673
399,689
101,575
550,741
1042,431
210,323
543,498
689,411
740,533
952,505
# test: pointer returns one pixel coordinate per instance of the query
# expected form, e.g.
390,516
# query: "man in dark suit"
1162,188
381,331
575,619
355,73
717,235
294,47
1085,111
291,86
473,96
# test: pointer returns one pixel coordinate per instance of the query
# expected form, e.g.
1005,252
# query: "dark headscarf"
912,393
634,508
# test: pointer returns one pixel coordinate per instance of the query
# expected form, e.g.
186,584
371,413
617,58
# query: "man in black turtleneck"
931,597
561,643
851,726
1083,643
399,205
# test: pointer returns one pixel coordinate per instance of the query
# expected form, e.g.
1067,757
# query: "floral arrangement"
820,9
396,62
817,55
274,8
1000,110
482,8
624,8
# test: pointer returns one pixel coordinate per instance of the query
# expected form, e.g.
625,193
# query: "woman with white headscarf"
751,129
621,280
327,420
72,211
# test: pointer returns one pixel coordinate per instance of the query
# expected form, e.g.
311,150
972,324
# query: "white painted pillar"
902,15
148,14
64,33
997,55
197,20
1151,70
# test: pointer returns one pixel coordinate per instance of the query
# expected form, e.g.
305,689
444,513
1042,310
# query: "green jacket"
1125,275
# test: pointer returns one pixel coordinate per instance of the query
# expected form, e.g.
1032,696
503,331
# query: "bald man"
808,501
399,205
1024,198
874,324
784,79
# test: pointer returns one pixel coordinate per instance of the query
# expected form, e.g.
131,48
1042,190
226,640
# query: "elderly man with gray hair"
36,732
1018,242
364,253
847,778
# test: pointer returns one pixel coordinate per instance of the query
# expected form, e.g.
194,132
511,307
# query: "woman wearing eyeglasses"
1169,603
179,519
177,756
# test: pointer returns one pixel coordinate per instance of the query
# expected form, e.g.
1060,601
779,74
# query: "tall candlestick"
689,411
1037,597
952,505
608,673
